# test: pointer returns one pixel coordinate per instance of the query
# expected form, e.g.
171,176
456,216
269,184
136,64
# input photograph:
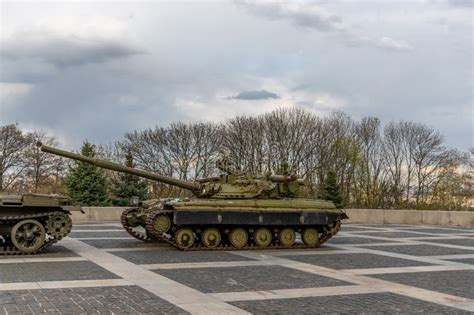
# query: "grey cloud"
303,15
456,3
62,50
253,95
315,17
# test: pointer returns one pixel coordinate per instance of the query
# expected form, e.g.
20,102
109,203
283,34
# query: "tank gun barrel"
120,168
288,178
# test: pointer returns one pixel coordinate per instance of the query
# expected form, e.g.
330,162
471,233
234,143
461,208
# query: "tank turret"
232,184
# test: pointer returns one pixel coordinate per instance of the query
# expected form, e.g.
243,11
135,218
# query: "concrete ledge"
416,217
366,216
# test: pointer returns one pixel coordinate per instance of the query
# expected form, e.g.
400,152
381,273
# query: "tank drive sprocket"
59,225
133,227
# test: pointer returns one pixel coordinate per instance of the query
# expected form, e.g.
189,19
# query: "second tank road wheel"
310,237
238,237
28,236
211,237
184,238
262,237
287,237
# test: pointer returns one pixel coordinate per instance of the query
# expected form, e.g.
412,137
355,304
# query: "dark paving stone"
97,227
395,235
175,256
120,243
420,250
247,278
353,240
469,261
57,251
469,242
105,300
99,234
52,251
354,261
376,303
352,228
53,271
438,231
458,283
390,226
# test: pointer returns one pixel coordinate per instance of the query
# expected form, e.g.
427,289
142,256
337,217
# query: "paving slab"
355,261
121,243
421,250
109,300
441,230
469,261
469,242
89,234
355,240
236,279
351,274
395,235
52,251
458,283
52,271
96,227
374,303
176,256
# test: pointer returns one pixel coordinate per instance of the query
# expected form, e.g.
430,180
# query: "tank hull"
170,219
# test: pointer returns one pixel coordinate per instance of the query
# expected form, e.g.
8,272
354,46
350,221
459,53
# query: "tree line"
401,164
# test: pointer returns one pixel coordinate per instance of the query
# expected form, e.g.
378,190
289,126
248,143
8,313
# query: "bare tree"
394,157
12,160
428,157
41,168
370,170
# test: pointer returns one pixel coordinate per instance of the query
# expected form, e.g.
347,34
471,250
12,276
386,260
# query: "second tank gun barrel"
120,168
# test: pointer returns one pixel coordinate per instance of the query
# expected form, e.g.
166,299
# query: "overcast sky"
97,69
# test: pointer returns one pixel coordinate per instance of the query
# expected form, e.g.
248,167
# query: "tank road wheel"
184,238
310,237
161,223
238,237
211,237
28,236
287,237
59,225
262,237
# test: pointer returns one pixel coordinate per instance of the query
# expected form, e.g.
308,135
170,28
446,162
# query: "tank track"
7,248
325,236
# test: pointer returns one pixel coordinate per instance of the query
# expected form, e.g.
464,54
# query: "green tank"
31,222
234,210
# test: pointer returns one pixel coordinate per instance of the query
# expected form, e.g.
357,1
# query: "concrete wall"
367,216
379,216
98,214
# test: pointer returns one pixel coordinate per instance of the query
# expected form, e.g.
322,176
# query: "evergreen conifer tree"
331,190
87,183
125,186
